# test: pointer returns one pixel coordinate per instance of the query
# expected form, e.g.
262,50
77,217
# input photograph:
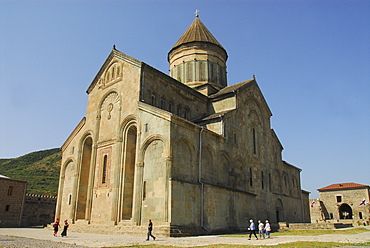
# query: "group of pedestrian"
262,229
56,226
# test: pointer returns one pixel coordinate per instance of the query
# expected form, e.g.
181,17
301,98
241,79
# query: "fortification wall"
38,210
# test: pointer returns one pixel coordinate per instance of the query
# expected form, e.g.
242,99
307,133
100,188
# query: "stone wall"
38,210
307,226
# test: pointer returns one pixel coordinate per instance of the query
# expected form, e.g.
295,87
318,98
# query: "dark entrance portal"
345,211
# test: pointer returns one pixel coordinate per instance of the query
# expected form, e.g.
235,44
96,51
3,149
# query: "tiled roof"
209,117
231,88
197,31
337,186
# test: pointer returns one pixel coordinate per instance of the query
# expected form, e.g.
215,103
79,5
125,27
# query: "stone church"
185,150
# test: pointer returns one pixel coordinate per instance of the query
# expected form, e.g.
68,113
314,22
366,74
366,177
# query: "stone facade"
342,202
187,151
12,195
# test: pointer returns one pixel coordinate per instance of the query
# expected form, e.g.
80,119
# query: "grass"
300,244
321,232
309,232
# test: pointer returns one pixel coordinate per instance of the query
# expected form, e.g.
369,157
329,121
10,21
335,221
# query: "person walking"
66,225
150,229
267,229
252,229
261,230
56,226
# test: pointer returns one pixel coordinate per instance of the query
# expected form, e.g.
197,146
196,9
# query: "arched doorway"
129,172
279,211
154,183
345,211
84,179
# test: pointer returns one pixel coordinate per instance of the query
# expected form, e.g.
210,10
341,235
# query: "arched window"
187,113
10,190
170,106
179,110
189,72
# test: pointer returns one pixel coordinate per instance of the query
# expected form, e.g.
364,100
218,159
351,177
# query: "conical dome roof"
197,31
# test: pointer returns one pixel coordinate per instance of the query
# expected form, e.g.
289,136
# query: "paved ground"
38,237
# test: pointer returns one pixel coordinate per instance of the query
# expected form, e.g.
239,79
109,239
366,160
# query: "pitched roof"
231,88
215,115
337,186
197,31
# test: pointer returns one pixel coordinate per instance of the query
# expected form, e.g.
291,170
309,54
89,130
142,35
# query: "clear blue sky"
311,60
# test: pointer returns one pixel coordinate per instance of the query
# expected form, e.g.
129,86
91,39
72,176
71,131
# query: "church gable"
112,74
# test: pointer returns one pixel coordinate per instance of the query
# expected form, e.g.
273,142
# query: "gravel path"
38,237
15,242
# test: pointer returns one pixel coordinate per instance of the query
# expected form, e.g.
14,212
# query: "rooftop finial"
114,46
196,13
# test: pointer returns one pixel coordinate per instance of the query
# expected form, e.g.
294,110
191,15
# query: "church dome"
198,60
197,31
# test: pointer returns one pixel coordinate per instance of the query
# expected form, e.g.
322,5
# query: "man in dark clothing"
150,229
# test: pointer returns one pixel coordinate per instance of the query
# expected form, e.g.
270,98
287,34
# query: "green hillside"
40,169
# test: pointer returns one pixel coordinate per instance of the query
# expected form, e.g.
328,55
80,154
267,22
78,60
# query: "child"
56,225
268,229
260,229
66,225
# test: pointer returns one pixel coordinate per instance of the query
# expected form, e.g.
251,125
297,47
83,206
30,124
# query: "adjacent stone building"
185,150
12,195
341,202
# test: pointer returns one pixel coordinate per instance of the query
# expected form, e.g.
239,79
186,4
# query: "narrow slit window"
251,177
69,199
254,142
262,180
144,190
104,175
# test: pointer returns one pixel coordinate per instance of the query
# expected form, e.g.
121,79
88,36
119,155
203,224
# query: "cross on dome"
196,12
